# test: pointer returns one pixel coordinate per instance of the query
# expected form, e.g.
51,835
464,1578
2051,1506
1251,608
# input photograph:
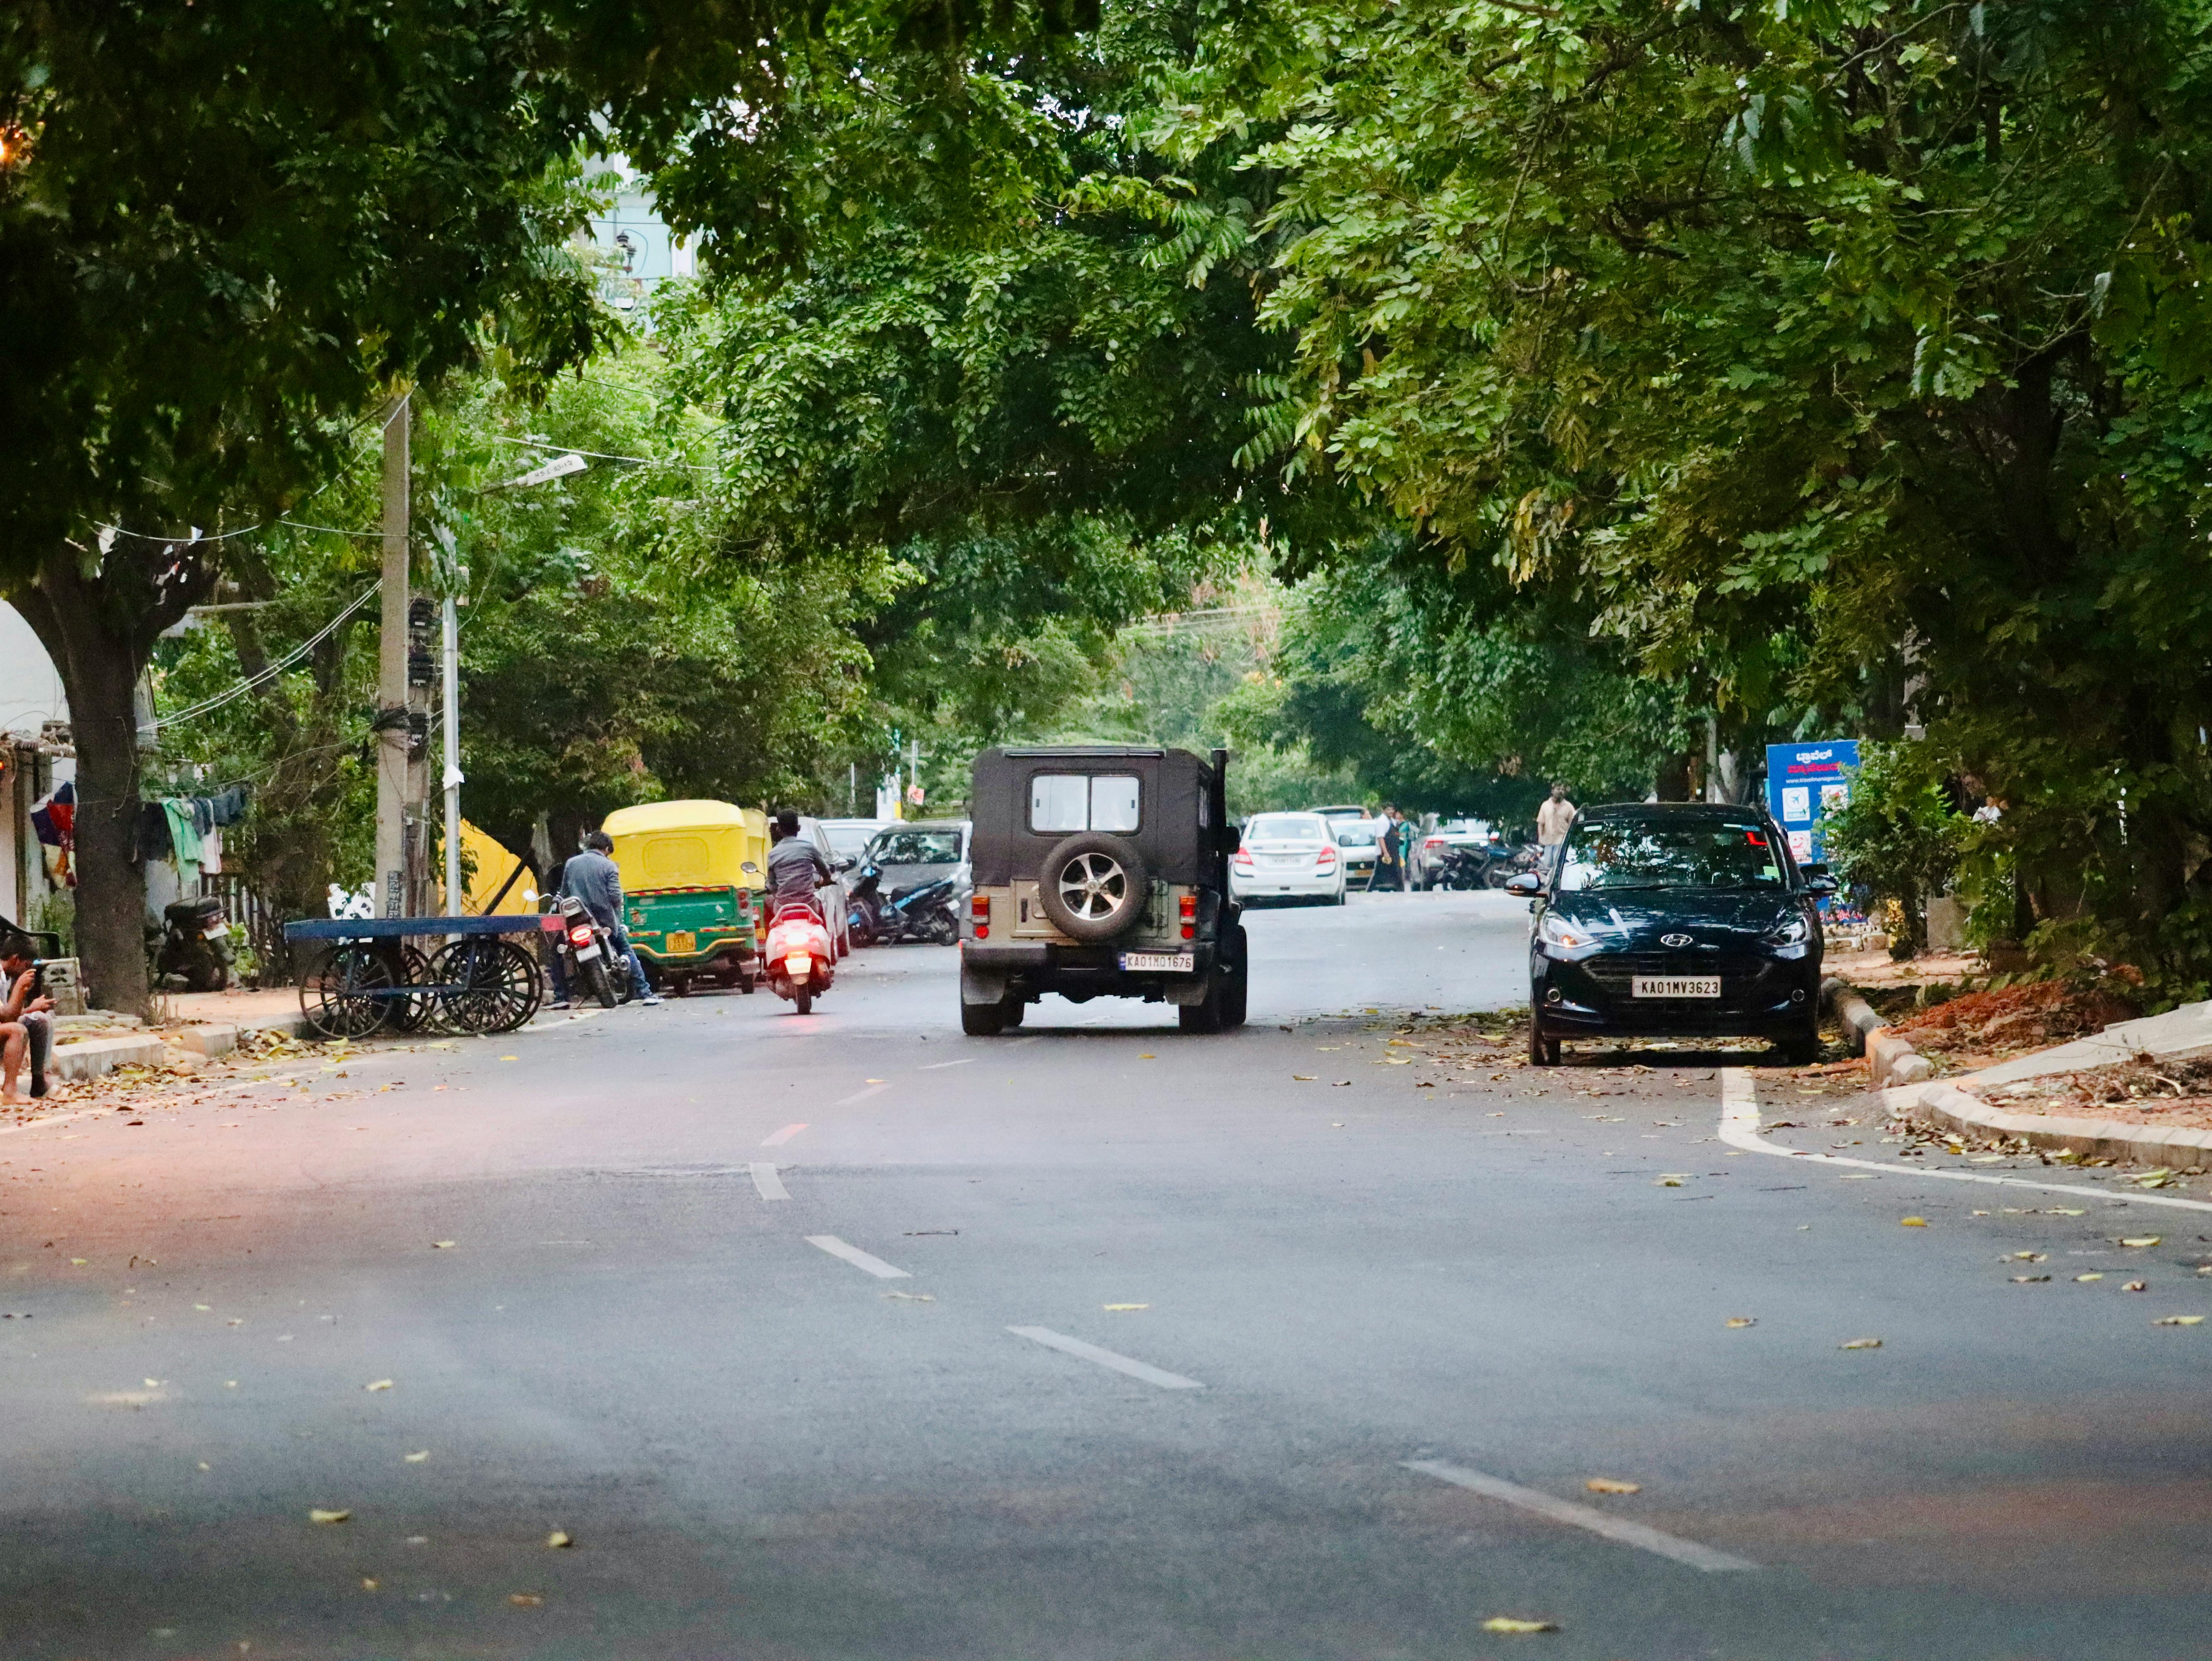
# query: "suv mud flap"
981,985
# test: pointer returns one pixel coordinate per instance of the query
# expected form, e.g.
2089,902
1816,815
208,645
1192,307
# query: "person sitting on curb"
593,877
25,1025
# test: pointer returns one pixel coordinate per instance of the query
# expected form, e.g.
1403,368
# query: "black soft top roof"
1175,790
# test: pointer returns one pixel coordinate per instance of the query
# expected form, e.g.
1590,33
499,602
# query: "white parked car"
1360,843
1287,857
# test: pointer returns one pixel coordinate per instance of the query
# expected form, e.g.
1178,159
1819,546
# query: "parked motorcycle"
1461,867
195,947
799,959
596,965
924,912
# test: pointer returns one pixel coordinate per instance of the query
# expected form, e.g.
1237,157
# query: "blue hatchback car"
1675,920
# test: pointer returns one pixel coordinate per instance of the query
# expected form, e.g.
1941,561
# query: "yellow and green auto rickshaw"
692,872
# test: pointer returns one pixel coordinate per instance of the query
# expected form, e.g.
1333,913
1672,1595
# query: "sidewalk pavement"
2178,1035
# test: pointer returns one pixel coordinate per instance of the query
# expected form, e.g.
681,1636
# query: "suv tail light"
1188,908
979,909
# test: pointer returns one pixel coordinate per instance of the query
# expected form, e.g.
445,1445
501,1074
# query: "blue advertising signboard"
1805,780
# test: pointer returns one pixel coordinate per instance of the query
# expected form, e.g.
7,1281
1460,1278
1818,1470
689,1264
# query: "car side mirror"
1822,884
844,864
1527,884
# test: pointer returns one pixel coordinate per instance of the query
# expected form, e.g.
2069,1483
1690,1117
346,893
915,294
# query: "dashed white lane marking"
1582,1517
783,1135
934,1067
766,1183
1105,1358
859,1259
863,1095
1739,1129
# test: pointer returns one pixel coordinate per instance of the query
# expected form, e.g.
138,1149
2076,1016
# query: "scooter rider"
795,868
592,877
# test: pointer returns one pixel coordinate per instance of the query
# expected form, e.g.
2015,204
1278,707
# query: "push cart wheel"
350,993
481,985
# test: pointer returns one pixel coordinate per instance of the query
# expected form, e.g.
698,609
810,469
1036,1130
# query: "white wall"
30,690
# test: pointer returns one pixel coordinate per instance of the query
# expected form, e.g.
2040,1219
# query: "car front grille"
1743,974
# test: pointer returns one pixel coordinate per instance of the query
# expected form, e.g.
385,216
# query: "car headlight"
1788,937
1565,940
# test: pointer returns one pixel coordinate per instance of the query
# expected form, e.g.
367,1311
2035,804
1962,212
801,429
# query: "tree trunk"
100,630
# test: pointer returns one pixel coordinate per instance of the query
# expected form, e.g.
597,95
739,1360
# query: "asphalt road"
847,1336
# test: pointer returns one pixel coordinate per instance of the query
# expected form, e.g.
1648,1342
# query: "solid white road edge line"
783,1135
766,1183
1582,1517
858,1258
1105,1358
58,1118
862,1095
1739,1129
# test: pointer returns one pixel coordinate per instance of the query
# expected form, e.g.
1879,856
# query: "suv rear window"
1061,802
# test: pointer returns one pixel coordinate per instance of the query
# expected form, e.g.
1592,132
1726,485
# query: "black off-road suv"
1101,870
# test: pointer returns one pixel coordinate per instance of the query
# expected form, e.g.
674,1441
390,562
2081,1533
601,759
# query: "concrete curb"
1946,1105
96,1058
1890,1057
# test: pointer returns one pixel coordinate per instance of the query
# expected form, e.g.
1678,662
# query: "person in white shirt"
1553,818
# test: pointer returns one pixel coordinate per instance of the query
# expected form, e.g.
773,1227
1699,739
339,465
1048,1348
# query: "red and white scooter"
799,957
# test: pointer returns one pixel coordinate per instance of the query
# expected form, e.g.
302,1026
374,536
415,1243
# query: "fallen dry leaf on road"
2088,1277
417,1459
2028,1280
524,1600
2142,1239
1860,1343
442,1245
2031,1257
202,1308
1125,1306
1302,1078
1912,1222
1672,1179
319,1515
912,1297
367,1585
2136,1286
2179,1321
1607,1485
1743,1320
510,1058
1509,1623
380,1384
558,1540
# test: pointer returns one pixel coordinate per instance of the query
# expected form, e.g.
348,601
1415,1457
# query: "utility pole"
452,667
393,729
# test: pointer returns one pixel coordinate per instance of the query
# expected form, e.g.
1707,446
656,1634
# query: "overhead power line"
193,712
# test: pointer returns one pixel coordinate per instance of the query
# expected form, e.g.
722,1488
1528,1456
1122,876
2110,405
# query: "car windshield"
851,841
1355,835
918,848
1463,828
1669,852
1301,829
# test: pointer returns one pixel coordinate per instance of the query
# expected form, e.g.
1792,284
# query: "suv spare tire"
1093,886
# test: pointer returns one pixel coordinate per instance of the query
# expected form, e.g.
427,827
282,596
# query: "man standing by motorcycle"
795,868
592,877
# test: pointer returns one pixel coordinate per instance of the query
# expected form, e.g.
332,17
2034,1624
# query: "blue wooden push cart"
374,978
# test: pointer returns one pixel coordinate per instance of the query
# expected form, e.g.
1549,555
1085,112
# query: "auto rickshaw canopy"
688,844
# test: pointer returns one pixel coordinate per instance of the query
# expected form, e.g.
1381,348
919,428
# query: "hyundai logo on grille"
1674,940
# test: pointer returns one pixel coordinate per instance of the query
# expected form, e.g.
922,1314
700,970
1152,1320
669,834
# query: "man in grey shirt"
592,877
795,868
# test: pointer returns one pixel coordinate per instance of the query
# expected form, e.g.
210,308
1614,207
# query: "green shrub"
1898,838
